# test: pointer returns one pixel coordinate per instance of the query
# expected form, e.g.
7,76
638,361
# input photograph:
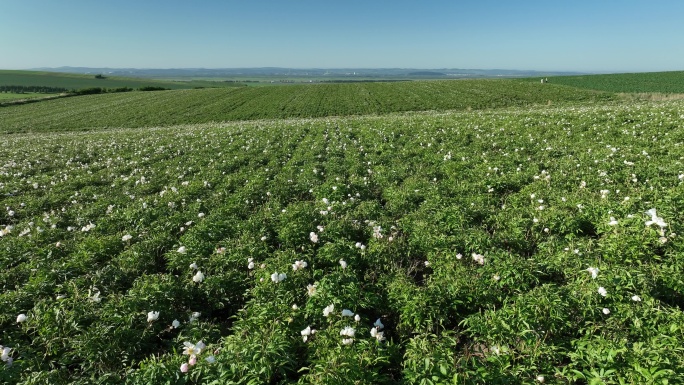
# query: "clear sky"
546,35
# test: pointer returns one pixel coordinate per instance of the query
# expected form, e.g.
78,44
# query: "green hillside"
74,81
648,82
146,109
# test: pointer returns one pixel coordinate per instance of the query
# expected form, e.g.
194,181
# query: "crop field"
10,96
75,82
164,108
525,244
651,82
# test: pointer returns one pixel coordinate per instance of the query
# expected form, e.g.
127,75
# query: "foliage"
500,246
659,82
293,101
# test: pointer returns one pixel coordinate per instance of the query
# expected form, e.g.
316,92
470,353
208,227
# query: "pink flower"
184,368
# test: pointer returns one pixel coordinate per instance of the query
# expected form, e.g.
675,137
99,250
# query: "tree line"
82,91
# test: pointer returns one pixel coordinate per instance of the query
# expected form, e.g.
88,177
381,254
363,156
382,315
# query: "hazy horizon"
583,36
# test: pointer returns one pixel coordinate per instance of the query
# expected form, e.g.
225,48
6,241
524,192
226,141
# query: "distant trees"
151,88
59,90
100,76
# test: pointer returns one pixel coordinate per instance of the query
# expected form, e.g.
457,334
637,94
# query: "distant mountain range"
380,73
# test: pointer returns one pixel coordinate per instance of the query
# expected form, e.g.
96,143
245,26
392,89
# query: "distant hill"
427,73
391,73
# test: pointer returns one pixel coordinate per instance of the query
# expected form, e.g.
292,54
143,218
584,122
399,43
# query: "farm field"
164,108
76,81
10,96
514,243
650,82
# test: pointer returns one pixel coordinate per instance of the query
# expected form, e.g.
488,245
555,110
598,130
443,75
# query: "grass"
10,96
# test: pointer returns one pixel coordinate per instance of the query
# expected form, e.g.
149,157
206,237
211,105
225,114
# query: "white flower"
306,333
343,263
459,256
378,324
594,272
606,311
193,266
298,265
88,227
264,238
378,335
6,230
636,298
479,258
613,222
198,277
194,316
427,263
95,297
200,215
347,331
347,313
250,263
21,318
540,379
314,237
278,277
126,237
193,349
357,318
347,341
602,291
311,290
655,219
175,324
152,316
182,250
5,353
210,359
328,309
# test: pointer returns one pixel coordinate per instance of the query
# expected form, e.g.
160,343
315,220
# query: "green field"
75,82
29,95
651,82
438,232
153,109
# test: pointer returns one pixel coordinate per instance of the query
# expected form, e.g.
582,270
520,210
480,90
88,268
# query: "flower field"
518,245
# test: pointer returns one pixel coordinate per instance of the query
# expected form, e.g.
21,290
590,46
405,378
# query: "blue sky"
579,35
